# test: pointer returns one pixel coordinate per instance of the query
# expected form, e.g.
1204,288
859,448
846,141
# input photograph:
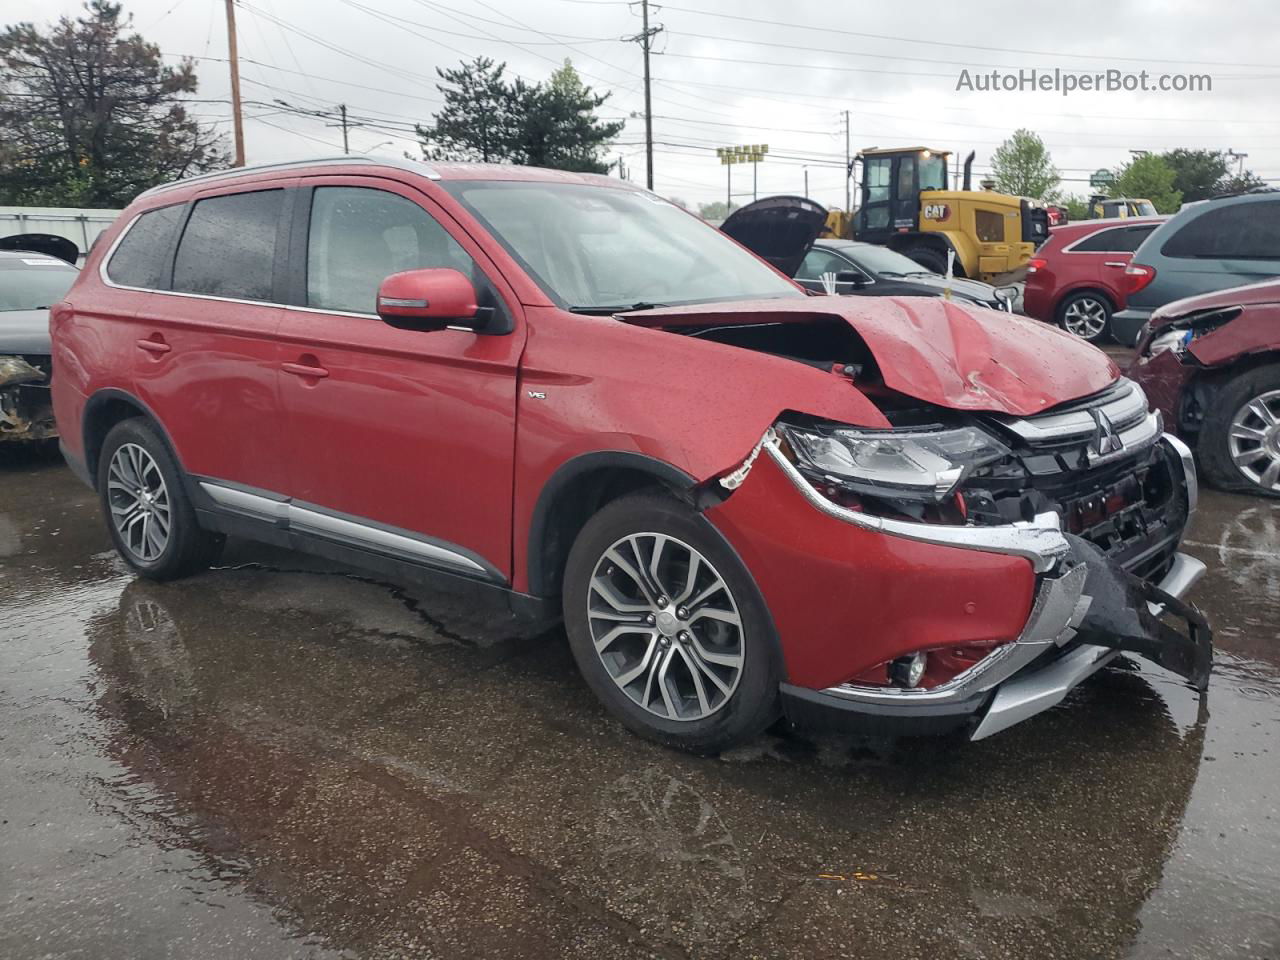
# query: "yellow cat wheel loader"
906,204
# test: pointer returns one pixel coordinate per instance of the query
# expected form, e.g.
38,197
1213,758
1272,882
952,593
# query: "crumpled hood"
958,356
1268,291
24,331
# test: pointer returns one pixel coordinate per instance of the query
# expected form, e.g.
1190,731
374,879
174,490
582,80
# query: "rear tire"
1239,448
699,672
1086,315
146,508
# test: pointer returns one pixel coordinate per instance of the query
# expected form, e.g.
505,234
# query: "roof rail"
1245,193
401,164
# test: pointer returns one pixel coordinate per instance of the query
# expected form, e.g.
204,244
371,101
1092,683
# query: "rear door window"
1115,240
360,236
142,258
1240,231
228,248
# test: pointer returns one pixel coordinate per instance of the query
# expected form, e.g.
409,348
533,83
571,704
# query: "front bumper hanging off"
1087,610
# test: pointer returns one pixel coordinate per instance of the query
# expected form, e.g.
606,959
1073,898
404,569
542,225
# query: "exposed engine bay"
26,406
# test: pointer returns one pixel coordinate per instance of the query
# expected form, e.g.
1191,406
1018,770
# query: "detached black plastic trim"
817,710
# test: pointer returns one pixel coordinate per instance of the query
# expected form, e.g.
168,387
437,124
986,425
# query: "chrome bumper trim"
1024,697
1040,540
1188,471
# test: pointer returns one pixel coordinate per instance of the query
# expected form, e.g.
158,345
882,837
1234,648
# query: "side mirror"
850,276
430,299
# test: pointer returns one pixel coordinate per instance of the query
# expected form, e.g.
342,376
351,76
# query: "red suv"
1077,278
562,389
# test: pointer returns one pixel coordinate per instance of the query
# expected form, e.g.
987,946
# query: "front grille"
1124,496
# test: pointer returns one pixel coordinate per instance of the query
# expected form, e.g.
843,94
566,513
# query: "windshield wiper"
620,308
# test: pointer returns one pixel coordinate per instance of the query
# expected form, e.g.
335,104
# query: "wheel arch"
573,494
102,411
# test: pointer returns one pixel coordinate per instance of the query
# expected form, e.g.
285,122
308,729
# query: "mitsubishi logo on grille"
1105,439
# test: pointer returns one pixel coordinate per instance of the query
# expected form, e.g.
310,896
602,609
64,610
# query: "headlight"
1175,340
1179,334
896,464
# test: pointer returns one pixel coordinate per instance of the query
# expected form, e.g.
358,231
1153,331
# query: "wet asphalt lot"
280,758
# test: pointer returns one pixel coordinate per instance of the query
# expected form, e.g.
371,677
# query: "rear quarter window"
142,258
228,247
1239,231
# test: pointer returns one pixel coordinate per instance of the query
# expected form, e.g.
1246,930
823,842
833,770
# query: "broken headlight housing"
910,469
1179,334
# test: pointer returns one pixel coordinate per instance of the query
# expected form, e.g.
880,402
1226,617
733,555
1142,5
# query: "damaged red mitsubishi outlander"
906,514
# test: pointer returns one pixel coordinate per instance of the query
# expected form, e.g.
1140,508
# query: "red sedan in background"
1077,278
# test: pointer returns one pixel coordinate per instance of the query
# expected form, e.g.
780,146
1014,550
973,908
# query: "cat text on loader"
905,204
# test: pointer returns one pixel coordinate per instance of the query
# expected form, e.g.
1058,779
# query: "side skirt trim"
315,521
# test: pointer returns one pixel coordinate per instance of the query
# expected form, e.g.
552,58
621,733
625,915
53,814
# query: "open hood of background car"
44,243
779,229
938,351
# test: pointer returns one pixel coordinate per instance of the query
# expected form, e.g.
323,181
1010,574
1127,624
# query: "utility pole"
806,183
848,167
234,59
645,39
342,122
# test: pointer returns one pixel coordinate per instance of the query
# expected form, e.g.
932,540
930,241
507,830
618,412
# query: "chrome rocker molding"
315,521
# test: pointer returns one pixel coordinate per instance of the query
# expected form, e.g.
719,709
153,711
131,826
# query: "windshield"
883,261
597,247
34,285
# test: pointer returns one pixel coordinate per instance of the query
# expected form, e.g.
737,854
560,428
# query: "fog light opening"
908,671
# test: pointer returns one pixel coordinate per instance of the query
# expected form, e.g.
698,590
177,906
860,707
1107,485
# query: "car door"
399,441
205,354
1100,258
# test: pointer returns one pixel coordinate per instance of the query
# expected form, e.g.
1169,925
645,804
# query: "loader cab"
891,185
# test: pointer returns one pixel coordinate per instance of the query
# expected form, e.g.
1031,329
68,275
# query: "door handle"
154,346
1114,263
305,370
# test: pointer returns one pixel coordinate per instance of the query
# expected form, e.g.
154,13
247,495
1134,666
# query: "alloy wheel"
1254,440
139,502
666,626
1086,318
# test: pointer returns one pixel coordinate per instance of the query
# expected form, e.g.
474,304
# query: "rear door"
399,441
204,348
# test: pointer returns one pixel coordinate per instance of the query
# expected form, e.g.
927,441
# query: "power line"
967,46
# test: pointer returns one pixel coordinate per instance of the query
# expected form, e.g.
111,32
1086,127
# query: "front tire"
148,514
668,628
1240,438
1086,315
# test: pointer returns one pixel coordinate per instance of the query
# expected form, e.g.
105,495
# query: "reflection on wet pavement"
281,759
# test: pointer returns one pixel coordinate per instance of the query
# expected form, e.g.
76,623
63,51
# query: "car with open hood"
562,390
787,232
33,276
1211,364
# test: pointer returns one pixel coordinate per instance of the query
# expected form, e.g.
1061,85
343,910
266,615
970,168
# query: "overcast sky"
723,77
